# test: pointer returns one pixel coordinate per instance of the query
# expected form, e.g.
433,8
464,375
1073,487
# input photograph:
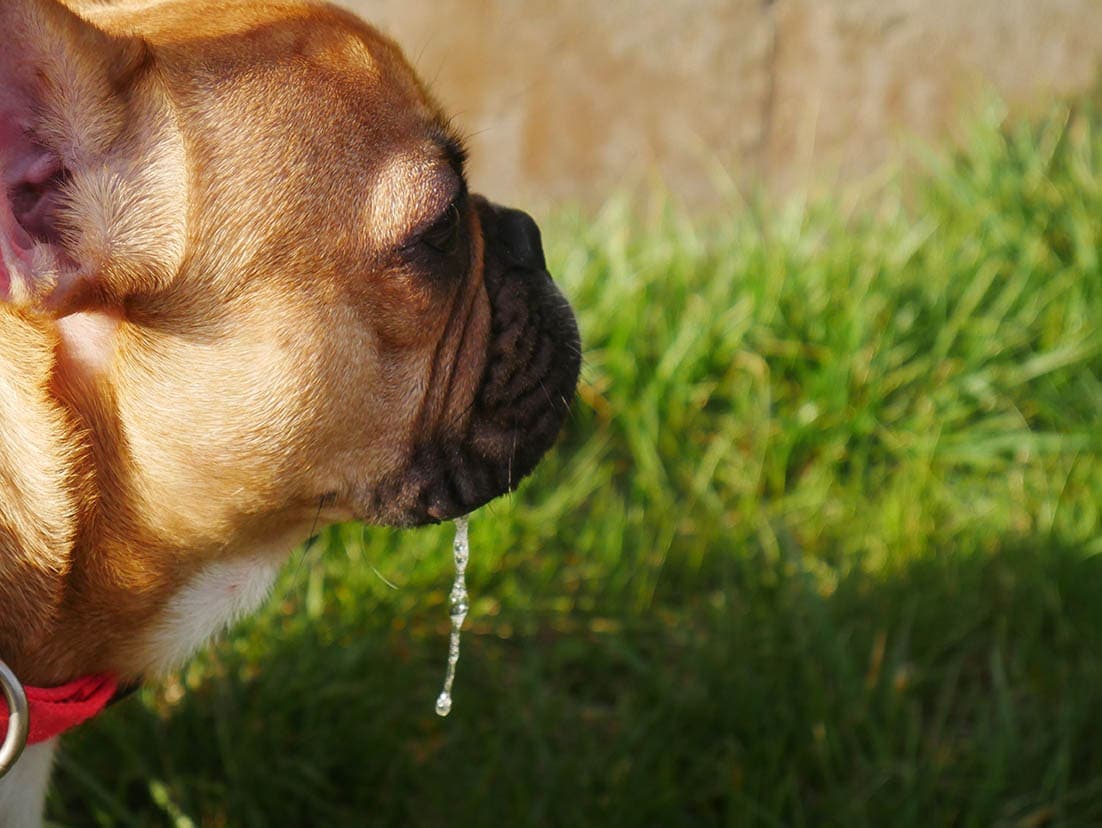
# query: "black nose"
520,236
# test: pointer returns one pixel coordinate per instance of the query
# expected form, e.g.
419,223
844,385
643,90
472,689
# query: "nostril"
521,237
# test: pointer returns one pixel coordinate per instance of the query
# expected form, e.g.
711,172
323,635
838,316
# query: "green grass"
819,547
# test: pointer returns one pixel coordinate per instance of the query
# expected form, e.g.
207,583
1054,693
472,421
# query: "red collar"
53,710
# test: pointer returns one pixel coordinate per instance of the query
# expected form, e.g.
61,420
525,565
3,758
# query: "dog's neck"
134,587
38,503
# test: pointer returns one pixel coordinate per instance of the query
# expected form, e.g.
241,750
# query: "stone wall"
569,99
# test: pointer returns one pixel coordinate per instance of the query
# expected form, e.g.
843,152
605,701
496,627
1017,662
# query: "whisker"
311,538
375,569
512,456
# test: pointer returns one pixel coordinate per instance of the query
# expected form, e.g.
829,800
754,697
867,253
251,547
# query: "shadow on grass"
957,689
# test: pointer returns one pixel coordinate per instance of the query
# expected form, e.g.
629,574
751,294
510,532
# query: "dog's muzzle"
527,386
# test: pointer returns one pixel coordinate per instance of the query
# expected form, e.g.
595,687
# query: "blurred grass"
820,546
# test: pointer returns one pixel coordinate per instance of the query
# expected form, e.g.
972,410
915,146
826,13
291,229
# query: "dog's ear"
37,500
85,214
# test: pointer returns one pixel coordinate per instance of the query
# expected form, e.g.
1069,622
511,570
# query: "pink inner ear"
30,178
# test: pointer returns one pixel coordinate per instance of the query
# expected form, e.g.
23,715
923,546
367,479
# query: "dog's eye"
440,248
442,235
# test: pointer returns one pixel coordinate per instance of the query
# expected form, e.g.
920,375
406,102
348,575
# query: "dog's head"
276,300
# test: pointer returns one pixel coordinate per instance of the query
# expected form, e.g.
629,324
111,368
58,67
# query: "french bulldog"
244,291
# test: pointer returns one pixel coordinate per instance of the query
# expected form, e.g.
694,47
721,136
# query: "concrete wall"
568,99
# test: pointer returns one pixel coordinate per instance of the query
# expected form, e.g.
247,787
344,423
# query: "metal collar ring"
18,719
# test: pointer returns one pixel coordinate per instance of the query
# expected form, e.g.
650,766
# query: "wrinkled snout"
531,370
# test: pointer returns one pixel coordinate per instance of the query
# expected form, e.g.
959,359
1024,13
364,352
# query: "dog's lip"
488,463
439,514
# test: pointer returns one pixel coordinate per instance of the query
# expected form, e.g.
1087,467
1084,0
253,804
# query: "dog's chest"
218,595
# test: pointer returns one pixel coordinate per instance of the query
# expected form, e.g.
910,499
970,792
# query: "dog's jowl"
244,287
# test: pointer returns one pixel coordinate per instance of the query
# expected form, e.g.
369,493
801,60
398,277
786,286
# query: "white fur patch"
89,339
222,593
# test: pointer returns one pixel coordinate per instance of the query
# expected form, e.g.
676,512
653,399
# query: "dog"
244,291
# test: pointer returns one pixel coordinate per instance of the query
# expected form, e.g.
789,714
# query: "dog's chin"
524,396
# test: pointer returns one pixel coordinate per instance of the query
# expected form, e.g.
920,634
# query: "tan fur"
244,293
199,237
38,511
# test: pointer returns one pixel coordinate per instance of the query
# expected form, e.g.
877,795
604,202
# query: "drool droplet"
459,607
